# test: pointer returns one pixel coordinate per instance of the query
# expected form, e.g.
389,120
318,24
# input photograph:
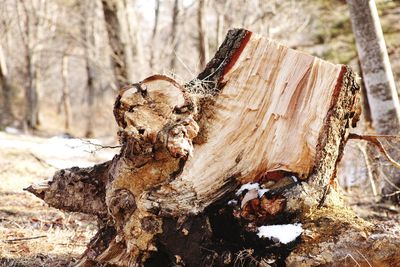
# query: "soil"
32,233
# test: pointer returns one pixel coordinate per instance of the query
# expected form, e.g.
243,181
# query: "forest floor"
33,234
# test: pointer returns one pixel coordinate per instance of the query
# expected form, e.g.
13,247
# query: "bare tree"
124,37
375,65
221,8
88,35
29,26
6,114
202,33
154,32
378,79
174,33
65,97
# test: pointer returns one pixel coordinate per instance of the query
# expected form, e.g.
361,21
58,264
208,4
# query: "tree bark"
379,82
220,29
6,116
88,36
202,34
154,32
29,36
375,65
174,34
65,98
265,114
119,31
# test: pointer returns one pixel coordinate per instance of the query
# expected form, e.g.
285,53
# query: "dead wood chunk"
258,112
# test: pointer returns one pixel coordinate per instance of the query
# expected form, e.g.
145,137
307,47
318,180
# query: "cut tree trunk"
259,113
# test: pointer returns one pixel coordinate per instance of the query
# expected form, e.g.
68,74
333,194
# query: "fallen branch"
23,239
374,139
42,161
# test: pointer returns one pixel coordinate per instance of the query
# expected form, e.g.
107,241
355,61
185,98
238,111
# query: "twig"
23,239
98,146
364,257
351,256
369,170
41,161
375,141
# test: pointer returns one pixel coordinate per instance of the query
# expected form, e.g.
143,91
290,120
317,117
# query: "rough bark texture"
65,98
154,32
6,116
174,32
259,112
203,39
88,35
375,65
120,36
379,82
30,26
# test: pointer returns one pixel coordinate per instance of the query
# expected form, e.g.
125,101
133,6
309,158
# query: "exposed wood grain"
263,111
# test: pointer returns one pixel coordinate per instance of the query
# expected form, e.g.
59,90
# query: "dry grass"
58,238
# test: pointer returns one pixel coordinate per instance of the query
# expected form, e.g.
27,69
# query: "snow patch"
261,192
285,233
232,202
247,186
252,194
59,151
11,130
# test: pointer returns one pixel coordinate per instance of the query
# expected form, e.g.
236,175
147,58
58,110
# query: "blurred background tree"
62,61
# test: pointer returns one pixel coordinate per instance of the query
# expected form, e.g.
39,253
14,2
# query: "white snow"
261,192
58,151
11,130
247,186
285,233
232,202
251,194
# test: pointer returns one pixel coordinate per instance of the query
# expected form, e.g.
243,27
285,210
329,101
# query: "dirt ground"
33,234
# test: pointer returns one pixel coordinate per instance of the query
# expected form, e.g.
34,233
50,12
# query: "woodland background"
63,61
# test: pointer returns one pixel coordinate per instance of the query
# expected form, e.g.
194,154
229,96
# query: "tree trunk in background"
270,116
90,100
220,29
376,69
6,115
202,34
220,8
65,98
29,37
154,32
378,79
123,38
136,42
174,34
31,94
88,36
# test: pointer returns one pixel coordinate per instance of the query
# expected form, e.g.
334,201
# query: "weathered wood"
259,112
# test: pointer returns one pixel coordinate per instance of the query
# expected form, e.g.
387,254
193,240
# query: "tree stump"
268,119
